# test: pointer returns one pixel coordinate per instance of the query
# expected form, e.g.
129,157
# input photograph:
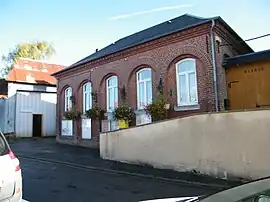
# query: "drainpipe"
214,64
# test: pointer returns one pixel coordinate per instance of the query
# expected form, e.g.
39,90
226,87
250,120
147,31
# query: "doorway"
37,125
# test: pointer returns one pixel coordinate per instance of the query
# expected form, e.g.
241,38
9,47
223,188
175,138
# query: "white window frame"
68,94
144,81
115,87
87,106
186,74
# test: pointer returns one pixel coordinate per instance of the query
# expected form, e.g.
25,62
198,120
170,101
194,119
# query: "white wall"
13,87
29,103
218,144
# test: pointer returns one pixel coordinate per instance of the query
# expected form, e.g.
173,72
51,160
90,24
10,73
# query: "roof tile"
33,71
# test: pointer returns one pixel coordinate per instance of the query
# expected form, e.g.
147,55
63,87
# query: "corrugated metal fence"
7,113
2,114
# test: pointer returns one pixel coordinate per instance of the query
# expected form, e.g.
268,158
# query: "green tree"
39,50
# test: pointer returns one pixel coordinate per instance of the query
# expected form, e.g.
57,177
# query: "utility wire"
258,37
254,38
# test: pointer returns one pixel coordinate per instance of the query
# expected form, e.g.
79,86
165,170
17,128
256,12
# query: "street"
44,182
53,172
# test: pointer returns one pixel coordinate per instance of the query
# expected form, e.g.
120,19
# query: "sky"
77,28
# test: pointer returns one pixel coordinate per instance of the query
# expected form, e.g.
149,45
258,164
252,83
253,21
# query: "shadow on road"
49,149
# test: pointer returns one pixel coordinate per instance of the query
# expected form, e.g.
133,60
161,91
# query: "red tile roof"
34,71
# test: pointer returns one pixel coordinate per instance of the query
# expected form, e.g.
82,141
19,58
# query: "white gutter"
214,64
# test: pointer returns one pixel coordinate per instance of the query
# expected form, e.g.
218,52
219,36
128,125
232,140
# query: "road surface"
47,182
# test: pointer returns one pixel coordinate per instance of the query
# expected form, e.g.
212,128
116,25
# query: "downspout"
213,51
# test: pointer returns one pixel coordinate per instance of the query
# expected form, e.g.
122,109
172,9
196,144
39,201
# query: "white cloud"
149,11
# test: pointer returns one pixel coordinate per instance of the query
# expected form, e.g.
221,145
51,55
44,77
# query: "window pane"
84,102
144,86
111,98
87,98
112,90
87,87
145,74
192,88
141,93
68,93
69,103
187,66
112,81
183,89
149,92
115,97
90,100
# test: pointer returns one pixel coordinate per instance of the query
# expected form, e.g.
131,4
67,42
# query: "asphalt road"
47,182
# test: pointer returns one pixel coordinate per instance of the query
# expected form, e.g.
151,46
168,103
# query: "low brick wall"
223,145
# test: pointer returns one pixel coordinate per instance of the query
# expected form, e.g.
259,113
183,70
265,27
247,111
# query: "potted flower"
123,114
95,112
72,114
158,109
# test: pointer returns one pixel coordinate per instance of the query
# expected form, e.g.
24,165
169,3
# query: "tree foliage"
39,50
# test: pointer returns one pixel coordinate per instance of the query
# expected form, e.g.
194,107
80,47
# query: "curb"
119,172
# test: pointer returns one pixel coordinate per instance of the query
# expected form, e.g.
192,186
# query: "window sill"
186,107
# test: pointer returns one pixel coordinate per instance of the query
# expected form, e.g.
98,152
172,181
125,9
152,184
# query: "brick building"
184,53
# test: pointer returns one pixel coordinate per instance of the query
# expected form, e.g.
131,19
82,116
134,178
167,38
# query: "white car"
10,174
254,191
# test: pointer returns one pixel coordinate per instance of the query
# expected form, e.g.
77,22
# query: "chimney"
97,50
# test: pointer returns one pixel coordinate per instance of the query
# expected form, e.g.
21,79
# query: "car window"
3,146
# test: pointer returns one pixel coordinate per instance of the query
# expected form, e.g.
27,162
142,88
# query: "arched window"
87,96
144,87
68,94
112,93
186,79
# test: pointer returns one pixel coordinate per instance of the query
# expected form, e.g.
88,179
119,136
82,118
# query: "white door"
7,171
86,129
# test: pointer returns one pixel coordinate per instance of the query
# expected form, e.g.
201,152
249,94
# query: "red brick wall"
230,46
161,55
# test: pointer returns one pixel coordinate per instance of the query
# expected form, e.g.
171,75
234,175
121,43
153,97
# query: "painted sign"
122,124
86,129
67,128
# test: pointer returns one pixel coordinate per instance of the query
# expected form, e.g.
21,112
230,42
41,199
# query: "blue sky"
77,28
